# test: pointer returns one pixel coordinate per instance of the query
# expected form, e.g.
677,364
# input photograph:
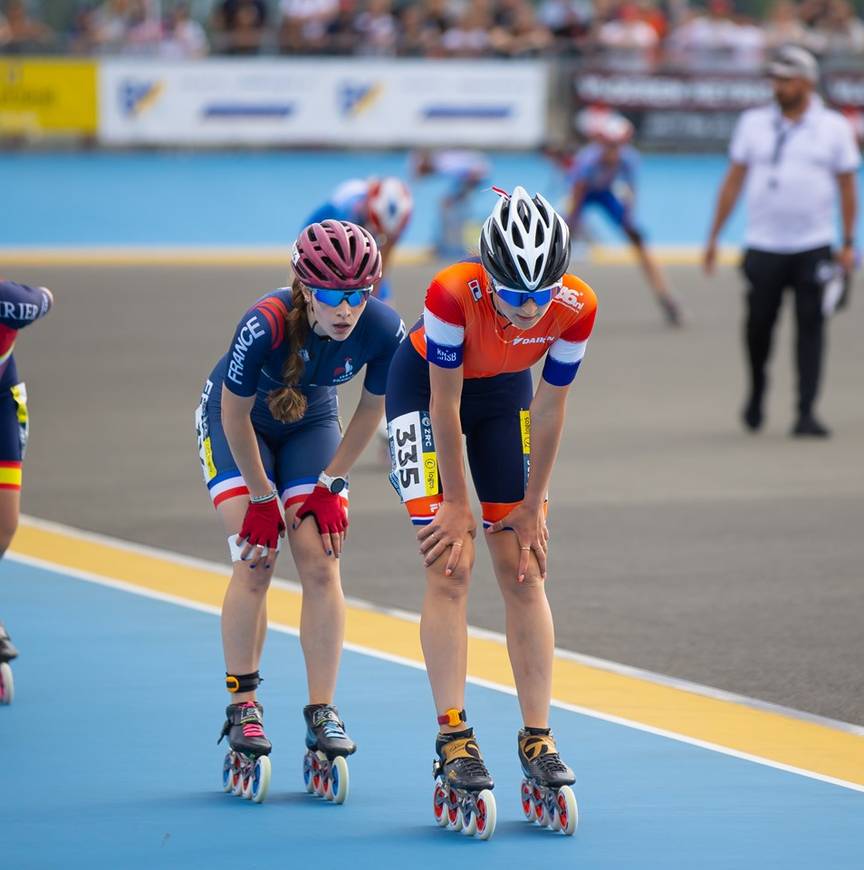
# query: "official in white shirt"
794,156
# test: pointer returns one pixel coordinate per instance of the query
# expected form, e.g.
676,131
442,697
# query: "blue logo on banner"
266,111
476,113
137,96
354,98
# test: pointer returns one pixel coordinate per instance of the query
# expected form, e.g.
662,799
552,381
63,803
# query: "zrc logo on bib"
412,456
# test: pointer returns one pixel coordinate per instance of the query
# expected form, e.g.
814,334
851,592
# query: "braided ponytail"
288,404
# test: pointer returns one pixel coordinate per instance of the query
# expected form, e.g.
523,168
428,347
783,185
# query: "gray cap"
794,62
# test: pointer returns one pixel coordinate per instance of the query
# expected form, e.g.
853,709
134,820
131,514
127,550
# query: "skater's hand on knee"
532,534
452,525
331,518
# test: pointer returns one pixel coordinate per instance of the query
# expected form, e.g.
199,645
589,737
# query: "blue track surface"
263,198
108,759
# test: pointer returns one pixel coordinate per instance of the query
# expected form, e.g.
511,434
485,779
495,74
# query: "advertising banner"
690,109
44,97
323,102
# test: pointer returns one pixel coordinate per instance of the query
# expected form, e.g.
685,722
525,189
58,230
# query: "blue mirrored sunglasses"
334,298
517,298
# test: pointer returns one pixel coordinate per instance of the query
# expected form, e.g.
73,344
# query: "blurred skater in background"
381,205
604,174
464,172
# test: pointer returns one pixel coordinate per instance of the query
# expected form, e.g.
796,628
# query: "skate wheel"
260,779
454,811
566,811
469,823
318,762
339,780
439,804
7,684
486,815
308,772
237,775
246,790
228,772
527,800
541,815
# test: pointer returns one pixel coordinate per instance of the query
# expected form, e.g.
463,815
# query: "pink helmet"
336,255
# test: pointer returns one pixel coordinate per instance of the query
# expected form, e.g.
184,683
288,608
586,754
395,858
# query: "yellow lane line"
170,256
601,255
782,740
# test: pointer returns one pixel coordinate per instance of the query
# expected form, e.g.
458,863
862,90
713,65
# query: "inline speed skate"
246,769
546,794
463,799
7,654
325,770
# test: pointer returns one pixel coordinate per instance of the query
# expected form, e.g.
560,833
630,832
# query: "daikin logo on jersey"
536,339
250,330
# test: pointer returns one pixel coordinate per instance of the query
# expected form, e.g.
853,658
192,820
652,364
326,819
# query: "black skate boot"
463,798
325,731
7,648
325,770
546,794
246,769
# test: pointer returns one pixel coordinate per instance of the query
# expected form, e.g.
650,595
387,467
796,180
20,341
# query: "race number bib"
413,462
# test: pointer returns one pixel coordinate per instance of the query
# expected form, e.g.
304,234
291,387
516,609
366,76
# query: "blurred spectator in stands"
783,26
812,12
239,26
341,31
183,37
418,36
470,36
839,31
110,24
19,33
304,25
522,35
706,41
439,14
748,45
377,28
569,22
144,30
627,42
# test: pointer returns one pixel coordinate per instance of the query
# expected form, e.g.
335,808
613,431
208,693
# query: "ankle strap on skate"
452,717
242,682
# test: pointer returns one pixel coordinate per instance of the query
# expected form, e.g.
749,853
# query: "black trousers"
769,275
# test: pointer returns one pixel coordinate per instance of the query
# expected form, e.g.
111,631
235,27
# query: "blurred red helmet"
390,206
615,130
336,255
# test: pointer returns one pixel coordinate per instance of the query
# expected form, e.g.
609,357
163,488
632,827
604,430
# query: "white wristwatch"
333,484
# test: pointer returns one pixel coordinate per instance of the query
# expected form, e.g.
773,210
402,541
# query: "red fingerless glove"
328,510
263,524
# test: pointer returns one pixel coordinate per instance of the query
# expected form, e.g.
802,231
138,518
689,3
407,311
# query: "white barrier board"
323,102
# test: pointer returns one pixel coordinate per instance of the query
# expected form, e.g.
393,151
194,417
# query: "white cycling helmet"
525,243
390,206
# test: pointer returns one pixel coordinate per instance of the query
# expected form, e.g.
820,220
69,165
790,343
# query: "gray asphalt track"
679,543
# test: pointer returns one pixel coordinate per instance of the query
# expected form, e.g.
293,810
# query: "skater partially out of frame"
20,305
275,462
466,370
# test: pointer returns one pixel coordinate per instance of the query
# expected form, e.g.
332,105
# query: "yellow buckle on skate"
232,684
452,717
